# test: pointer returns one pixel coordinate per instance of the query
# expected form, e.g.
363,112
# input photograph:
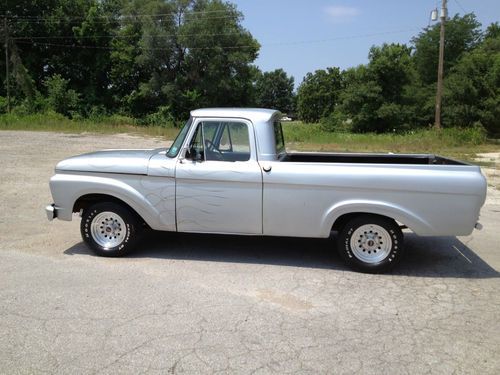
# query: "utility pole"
439,90
7,62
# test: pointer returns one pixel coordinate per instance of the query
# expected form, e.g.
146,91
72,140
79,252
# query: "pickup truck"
228,172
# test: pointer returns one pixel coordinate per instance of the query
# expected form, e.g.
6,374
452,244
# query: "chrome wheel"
108,229
371,243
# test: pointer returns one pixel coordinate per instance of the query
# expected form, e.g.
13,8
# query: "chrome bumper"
51,211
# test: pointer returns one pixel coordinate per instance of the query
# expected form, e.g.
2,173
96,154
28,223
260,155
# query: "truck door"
219,181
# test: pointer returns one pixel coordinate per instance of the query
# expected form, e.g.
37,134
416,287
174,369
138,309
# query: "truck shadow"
425,256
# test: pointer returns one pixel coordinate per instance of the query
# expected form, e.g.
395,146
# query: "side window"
239,139
196,148
231,143
220,141
225,140
210,130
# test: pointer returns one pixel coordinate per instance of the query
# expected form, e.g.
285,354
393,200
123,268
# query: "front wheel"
371,243
109,229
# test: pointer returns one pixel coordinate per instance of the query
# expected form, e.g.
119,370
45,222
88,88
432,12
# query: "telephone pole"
439,90
7,62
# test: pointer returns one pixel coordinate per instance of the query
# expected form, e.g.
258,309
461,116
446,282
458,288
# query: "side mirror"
198,156
193,154
183,154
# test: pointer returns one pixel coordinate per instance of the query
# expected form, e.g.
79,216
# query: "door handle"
267,168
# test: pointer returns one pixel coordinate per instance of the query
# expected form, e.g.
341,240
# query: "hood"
110,161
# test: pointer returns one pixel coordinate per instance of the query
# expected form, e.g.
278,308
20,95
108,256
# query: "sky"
302,36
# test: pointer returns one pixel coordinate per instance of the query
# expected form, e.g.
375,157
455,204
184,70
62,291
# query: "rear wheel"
110,229
371,243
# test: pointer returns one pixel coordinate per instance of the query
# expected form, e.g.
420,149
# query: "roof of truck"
253,114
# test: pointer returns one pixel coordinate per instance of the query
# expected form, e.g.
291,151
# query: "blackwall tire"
110,229
371,243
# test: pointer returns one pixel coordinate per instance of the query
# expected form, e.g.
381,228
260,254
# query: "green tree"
318,94
219,54
125,72
90,65
135,56
60,98
472,90
70,38
275,90
190,53
151,64
463,33
493,31
377,96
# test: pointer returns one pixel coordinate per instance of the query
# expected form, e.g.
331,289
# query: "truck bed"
364,158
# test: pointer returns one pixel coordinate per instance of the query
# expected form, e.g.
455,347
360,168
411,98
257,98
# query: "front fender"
398,213
67,188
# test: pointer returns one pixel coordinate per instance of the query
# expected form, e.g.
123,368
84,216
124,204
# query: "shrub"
336,122
60,98
3,104
162,117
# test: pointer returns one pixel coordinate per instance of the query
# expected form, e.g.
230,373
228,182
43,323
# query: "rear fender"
398,213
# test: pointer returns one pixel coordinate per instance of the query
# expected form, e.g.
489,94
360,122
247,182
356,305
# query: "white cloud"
341,13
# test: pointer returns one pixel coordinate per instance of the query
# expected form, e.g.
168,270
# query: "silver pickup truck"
228,171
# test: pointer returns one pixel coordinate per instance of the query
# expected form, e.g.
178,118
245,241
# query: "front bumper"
51,211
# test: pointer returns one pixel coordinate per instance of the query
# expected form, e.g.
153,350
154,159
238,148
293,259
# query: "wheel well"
88,200
344,219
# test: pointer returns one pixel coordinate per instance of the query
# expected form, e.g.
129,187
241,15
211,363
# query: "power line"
460,6
223,47
122,36
344,37
117,19
121,16
141,48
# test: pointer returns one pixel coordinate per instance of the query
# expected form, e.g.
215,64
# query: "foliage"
133,56
60,98
155,60
376,97
162,117
393,93
462,34
3,104
472,96
318,94
275,90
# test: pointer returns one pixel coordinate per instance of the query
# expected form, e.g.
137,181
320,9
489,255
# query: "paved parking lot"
214,304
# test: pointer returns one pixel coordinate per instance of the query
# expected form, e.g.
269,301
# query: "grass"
457,143
452,142
106,125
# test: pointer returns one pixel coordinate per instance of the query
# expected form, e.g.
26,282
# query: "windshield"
179,140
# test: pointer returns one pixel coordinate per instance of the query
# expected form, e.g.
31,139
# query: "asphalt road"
213,304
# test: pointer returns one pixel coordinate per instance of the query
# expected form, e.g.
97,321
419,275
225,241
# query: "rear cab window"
278,138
